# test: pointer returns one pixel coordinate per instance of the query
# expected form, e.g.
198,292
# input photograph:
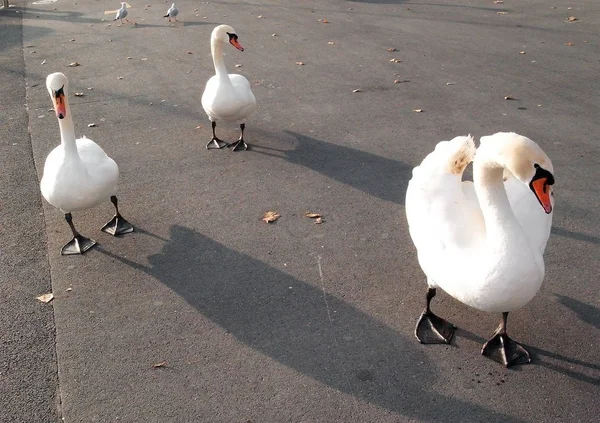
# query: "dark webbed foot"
216,143
432,329
238,145
117,226
504,350
78,245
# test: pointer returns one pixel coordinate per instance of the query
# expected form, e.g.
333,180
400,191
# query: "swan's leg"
117,225
240,144
503,349
215,142
79,244
432,329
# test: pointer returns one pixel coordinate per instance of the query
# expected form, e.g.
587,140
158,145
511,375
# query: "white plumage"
172,12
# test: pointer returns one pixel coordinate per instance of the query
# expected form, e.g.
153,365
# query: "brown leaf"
318,220
190,52
498,1
72,65
521,52
270,216
79,94
392,49
239,65
46,298
312,215
569,43
395,60
572,19
357,91
325,21
199,127
300,63
417,110
120,77
508,97
260,16
331,43
91,125
158,365
502,13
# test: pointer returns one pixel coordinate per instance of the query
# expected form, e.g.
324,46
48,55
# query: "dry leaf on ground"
508,97
318,220
395,60
161,364
569,43
392,49
417,110
312,215
325,21
91,125
270,216
72,65
521,52
79,94
46,298
239,65
330,43
199,127
300,63
502,13
571,19
357,91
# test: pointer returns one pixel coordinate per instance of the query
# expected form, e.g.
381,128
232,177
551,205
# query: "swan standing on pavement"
172,13
227,97
78,174
482,242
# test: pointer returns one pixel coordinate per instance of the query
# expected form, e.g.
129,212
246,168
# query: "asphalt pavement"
208,314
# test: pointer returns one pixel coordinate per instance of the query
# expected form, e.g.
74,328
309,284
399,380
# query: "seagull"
172,13
122,13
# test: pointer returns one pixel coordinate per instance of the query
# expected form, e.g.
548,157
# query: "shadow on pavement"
301,326
375,175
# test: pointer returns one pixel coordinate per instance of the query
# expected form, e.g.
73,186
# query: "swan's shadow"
304,328
576,235
375,175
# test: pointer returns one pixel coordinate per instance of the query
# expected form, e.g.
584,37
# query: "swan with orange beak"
78,174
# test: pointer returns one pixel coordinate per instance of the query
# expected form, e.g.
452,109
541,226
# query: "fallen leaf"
74,64
357,91
502,13
312,215
189,52
120,77
521,52
44,62
79,94
91,125
129,58
397,81
450,83
498,1
330,43
507,97
260,16
238,65
144,58
72,39
395,60
270,216
161,364
69,289
273,35
199,127
318,220
392,49
325,21
90,88
417,110
300,63
572,19
46,298
569,43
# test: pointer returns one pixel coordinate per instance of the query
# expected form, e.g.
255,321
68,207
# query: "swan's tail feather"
449,157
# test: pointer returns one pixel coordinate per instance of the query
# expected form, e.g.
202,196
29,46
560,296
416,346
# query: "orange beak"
541,189
234,42
59,105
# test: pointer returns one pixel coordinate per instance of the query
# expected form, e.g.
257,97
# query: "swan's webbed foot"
78,245
504,350
216,143
238,145
117,226
432,329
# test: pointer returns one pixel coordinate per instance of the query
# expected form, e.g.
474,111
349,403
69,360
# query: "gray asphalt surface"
290,321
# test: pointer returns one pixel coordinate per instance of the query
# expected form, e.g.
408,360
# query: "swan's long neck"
216,48
67,133
498,215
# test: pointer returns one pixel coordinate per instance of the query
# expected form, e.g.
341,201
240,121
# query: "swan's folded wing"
533,220
440,215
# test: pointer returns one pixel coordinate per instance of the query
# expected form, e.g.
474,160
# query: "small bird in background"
122,13
172,13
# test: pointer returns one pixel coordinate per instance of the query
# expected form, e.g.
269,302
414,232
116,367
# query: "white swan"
482,242
78,174
227,97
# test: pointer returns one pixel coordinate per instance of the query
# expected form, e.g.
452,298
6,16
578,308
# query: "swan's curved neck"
216,48
67,133
489,185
